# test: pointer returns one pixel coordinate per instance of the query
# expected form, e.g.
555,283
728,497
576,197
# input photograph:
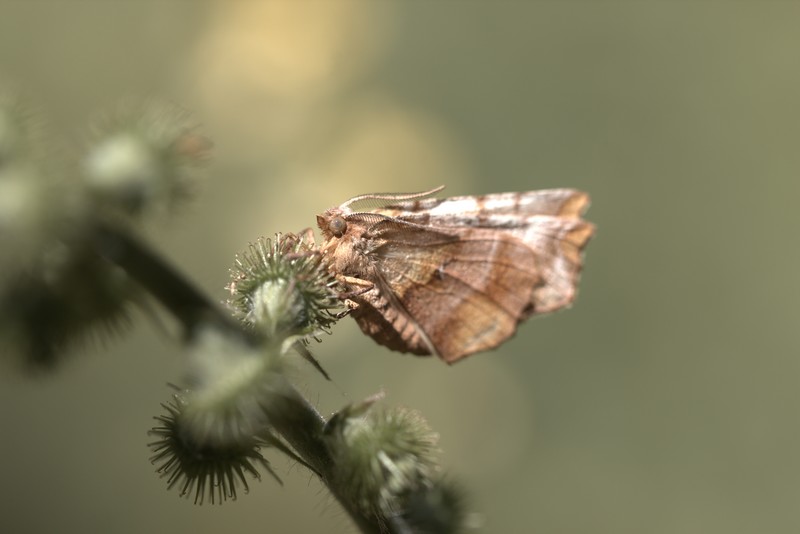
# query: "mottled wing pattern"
548,221
560,202
455,276
454,295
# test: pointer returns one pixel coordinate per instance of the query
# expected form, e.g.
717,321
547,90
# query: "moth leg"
307,235
351,281
300,255
347,296
350,307
305,238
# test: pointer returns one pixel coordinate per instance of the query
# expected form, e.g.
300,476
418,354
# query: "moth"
454,276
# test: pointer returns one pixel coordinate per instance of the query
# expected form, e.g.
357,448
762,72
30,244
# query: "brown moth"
455,276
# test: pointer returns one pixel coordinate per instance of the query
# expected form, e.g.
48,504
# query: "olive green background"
665,401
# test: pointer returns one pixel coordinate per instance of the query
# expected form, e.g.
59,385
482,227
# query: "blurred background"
665,401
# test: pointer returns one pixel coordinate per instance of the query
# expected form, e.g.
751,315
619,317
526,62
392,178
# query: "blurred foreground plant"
74,262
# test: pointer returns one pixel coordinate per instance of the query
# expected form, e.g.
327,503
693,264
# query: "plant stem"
291,414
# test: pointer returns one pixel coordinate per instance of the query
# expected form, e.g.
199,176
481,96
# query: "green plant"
75,262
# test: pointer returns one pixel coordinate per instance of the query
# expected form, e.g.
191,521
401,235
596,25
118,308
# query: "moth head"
332,223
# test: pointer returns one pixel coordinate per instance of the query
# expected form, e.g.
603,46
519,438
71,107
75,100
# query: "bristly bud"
385,459
29,205
54,288
20,131
69,295
437,509
280,287
143,159
231,379
207,469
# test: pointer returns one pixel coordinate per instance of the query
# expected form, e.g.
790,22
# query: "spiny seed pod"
68,295
54,288
207,469
279,287
386,462
144,159
436,509
31,204
21,130
231,380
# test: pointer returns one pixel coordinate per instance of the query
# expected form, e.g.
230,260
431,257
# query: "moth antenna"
392,196
378,221
369,217
374,219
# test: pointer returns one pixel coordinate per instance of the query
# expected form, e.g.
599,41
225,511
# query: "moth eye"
337,226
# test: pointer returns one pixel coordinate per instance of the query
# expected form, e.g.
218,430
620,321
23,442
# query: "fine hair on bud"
279,287
439,508
231,379
70,296
211,470
144,158
383,457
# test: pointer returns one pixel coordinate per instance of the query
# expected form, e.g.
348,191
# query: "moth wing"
559,243
461,293
557,202
547,221
454,211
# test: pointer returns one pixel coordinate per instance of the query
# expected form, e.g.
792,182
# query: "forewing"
547,221
558,243
465,292
479,210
